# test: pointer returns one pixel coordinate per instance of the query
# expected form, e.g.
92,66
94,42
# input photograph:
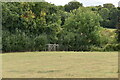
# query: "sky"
85,2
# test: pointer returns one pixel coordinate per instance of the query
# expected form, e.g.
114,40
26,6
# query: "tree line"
29,26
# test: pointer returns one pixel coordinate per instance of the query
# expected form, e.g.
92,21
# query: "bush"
16,42
40,42
21,42
95,48
112,47
107,36
84,26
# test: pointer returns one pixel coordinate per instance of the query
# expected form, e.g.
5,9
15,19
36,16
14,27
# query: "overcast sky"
85,2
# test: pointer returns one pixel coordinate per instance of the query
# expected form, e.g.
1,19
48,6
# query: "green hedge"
21,42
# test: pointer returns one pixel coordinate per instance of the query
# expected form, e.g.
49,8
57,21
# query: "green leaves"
72,5
84,24
72,26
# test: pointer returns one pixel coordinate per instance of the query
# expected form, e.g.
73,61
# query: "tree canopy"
29,26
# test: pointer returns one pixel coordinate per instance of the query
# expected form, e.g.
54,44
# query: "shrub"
40,42
16,42
112,47
85,25
96,48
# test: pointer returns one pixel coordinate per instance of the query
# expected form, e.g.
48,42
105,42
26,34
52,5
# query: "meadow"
60,65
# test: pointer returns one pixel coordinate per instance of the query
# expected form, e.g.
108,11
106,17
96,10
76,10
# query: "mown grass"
60,65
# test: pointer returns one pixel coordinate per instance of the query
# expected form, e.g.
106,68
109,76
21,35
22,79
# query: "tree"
29,26
113,17
72,5
109,17
104,12
30,21
81,29
108,5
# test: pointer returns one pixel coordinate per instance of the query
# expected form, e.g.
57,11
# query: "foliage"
81,29
108,5
16,42
112,47
72,5
29,26
40,42
118,26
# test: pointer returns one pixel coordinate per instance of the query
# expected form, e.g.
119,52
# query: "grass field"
60,65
